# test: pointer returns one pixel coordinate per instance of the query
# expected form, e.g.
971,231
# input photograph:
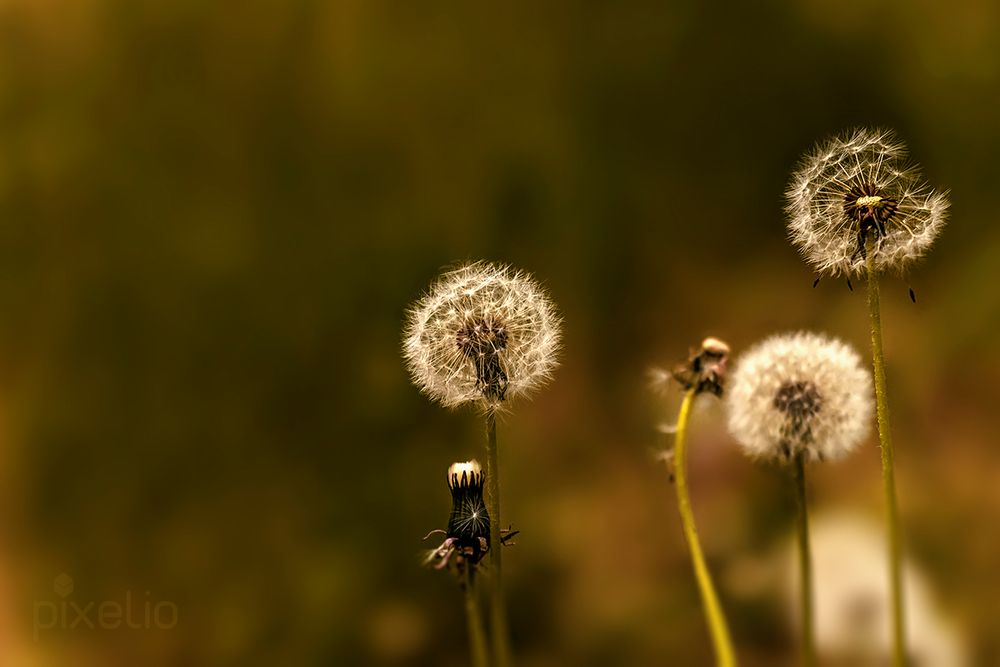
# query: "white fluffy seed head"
857,186
483,333
799,392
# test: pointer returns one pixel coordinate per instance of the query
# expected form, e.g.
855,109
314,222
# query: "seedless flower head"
796,393
705,369
857,187
482,334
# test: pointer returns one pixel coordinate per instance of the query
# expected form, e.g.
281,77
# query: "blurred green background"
214,215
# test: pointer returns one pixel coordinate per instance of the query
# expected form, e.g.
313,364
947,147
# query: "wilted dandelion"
703,372
857,188
482,334
797,398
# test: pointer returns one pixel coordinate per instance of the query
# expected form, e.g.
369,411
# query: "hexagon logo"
63,585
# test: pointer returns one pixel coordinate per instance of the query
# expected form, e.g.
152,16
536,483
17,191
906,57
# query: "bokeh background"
214,215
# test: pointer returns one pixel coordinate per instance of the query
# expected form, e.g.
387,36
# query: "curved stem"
477,637
498,606
888,470
805,565
724,656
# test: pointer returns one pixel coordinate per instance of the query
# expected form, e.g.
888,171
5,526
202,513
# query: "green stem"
477,636
498,615
724,656
805,565
888,471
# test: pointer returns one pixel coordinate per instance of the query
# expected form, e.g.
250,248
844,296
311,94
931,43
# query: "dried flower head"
797,393
857,187
483,333
705,369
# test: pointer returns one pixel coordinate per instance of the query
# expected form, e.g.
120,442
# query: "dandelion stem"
805,565
888,471
477,636
498,607
724,656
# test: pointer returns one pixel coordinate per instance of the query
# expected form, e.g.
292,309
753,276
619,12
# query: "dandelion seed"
799,393
667,429
482,334
857,187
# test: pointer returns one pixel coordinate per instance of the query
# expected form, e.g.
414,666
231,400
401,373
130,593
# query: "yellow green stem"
724,656
477,636
805,565
888,470
498,606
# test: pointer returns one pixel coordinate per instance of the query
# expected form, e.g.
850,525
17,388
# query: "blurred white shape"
667,429
852,605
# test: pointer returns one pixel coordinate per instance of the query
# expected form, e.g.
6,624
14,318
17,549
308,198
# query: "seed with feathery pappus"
801,392
859,187
482,334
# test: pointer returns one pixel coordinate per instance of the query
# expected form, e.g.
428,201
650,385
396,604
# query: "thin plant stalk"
498,606
724,655
805,565
888,470
477,636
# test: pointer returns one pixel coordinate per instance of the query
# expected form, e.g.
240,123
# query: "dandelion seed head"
857,186
482,334
799,392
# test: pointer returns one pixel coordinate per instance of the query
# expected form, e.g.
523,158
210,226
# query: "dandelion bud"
856,194
483,333
469,520
799,393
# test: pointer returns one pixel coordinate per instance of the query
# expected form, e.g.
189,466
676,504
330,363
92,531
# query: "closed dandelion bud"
469,522
854,604
482,334
799,393
858,193
467,538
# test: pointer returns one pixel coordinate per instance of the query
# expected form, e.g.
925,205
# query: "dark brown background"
213,216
